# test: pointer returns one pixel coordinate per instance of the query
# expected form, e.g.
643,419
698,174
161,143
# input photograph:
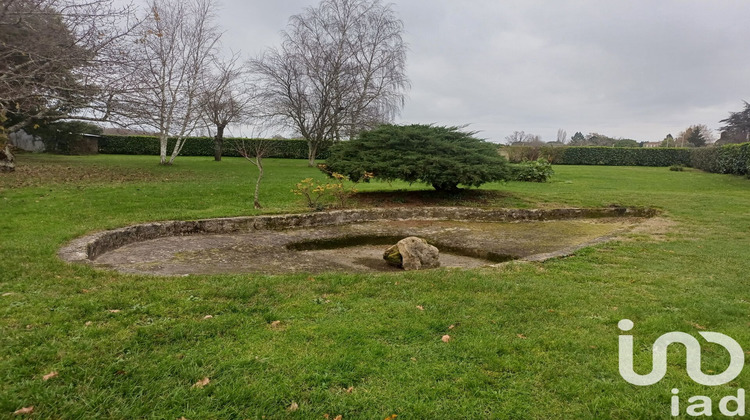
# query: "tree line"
736,129
339,69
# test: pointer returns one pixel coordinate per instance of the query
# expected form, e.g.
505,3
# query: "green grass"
536,341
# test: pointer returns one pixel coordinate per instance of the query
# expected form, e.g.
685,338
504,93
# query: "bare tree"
340,69
178,40
516,138
59,60
521,138
254,151
226,97
562,136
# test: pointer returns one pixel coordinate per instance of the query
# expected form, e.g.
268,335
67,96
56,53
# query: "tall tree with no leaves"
340,69
521,138
178,41
226,98
59,60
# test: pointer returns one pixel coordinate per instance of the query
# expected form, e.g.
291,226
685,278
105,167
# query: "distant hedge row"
609,156
727,159
199,146
626,156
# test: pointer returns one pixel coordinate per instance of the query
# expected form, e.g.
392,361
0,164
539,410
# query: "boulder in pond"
412,253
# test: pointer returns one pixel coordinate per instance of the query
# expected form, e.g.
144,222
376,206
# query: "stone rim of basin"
88,248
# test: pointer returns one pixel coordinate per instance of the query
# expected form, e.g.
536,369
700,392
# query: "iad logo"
702,405
693,362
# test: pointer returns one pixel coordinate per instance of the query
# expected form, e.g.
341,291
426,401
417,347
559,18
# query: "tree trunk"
218,142
259,163
163,139
7,160
312,151
446,187
179,144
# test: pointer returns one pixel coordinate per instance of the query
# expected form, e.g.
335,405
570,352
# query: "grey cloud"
637,69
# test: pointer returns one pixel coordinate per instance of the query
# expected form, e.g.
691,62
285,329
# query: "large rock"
412,253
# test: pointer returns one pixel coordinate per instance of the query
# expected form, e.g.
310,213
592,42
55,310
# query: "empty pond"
346,241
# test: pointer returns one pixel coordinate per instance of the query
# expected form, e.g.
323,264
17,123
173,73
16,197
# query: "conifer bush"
444,157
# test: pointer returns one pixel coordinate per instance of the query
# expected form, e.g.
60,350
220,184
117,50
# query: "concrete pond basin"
349,240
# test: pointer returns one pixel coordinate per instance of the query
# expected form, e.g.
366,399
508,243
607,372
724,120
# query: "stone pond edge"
87,248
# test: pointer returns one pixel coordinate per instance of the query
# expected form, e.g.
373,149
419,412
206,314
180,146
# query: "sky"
637,69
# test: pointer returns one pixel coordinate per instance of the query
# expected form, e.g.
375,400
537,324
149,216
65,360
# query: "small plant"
311,192
314,192
339,192
539,170
677,168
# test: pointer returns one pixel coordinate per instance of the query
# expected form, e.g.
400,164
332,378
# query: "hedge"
200,146
626,156
610,156
728,159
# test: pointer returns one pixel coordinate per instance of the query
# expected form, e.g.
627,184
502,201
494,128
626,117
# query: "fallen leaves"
420,307
698,326
208,317
392,417
34,174
446,338
7,294
25,410
451,327
200,384
521,336
114,311
88,323
293,407
350,390
50,375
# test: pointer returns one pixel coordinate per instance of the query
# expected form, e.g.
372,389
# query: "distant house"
652,144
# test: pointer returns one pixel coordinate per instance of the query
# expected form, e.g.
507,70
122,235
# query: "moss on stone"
393,257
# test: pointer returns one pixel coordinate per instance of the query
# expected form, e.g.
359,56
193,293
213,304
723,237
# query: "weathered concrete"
343,224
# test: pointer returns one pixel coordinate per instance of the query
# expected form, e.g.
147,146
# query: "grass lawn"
536,341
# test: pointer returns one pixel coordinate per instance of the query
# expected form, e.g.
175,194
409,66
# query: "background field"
534,341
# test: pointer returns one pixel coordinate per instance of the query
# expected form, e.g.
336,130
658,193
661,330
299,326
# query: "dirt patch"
33,173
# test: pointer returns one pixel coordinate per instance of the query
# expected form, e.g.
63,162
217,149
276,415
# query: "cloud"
637,69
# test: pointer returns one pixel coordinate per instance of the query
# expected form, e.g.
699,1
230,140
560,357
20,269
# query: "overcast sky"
633,69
